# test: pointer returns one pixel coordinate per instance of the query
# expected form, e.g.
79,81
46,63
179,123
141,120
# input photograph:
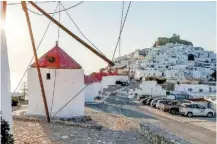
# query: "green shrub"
6,137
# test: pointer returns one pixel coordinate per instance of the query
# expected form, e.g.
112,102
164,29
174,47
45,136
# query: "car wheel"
189,114
173,111
210,114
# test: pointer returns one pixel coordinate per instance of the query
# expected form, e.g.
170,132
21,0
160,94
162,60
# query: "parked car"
163,103
144,100
139,98
179,96
190,110
158,103
173,106
154,102
148,102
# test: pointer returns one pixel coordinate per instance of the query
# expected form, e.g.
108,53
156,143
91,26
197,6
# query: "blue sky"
100,22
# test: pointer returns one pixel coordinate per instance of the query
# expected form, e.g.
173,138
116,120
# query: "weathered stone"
156,135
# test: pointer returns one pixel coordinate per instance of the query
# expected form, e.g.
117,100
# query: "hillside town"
193,69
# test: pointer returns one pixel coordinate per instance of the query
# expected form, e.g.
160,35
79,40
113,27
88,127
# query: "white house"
63,78
111,80
5,100
195,88
93,89
152,88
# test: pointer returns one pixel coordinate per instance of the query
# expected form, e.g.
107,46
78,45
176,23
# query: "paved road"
191,131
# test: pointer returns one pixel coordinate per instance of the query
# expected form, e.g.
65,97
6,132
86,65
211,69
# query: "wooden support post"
36,60
72,35
4,10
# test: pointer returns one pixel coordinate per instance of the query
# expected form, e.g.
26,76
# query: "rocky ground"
116,129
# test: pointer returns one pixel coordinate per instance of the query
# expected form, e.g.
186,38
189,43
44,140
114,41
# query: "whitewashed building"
93,89
177,61
63,78
5,101
195,88
152,88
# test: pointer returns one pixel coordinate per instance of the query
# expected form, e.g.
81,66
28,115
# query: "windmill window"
200,90
48,76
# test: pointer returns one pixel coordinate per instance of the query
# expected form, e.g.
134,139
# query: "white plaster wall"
5,100
138,74
68,83
122,78
195,88
108,80
152,88
155,73
91,91
111,80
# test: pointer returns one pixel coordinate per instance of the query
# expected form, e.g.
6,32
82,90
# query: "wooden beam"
72,34
4,10
36,59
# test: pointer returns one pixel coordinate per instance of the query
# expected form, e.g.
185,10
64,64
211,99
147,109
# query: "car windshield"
184,105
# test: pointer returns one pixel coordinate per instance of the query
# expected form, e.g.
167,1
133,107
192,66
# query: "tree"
6,137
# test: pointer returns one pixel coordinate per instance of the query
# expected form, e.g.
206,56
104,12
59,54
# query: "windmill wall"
68,83
92,90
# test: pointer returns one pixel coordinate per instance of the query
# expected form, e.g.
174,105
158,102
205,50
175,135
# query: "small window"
193,106
48,76
201,107
200,90
190,89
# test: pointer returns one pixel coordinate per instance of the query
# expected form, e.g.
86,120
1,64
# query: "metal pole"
36,60
72,35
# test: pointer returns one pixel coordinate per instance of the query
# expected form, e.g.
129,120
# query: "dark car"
154,102
139,98
173,106
144,101
148,102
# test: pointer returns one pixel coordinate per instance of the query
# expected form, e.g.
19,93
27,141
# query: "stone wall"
156,135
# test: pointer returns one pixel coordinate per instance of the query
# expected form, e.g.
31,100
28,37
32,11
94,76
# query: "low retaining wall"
156,135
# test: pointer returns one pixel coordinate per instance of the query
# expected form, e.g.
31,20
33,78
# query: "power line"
122,13
33,56
58,37
105,68
80,29
121,30
57,11
53,92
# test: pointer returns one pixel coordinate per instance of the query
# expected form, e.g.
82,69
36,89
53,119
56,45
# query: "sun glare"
13,27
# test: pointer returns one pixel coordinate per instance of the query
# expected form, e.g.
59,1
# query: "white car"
192,109
158,103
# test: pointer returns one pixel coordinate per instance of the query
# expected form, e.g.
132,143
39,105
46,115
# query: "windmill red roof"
97,75
58,59
93,78
86,79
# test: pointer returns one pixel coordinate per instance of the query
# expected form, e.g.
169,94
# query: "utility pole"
36,59
24,90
